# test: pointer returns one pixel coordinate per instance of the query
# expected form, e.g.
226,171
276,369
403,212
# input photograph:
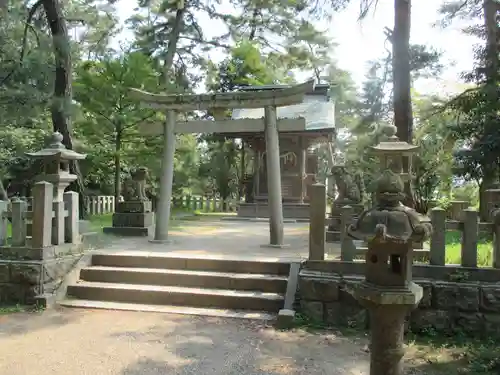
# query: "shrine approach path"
212,237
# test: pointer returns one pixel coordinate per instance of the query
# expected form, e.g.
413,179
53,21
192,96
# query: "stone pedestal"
333,231
388,308
132,218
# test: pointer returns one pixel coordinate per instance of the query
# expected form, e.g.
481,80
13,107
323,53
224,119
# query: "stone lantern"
392,154
388,292
56,158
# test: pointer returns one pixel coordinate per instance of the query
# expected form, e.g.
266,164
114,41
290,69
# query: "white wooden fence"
105,204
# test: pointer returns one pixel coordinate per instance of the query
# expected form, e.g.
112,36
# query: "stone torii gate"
219,102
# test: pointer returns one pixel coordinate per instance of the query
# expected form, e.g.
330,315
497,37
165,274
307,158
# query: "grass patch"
454,249
97,222
213,214
429,353
436,354
11,309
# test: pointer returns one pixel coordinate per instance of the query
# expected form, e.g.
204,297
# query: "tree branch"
27,26
210,42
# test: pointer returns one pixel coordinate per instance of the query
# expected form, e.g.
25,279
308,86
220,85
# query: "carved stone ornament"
390,220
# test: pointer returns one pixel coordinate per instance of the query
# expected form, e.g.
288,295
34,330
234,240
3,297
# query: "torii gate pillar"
276,230
166,179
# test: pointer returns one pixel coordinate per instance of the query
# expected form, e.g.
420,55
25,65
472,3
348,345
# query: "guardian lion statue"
134,187
350,188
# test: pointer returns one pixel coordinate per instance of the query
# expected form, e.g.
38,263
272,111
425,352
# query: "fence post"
4,206
215,204
438,237
113,204
495,218
42,214
71,234
469,238
317,222
347,247
19,222
207,204
100,204
106,204
94,205
58,223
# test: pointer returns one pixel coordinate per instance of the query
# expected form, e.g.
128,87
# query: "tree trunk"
3,192
242,171
172,42
117,179
490,9
253,23
62,96
492,32
403,116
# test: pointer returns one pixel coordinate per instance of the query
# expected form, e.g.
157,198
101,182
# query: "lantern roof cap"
393,144
55,148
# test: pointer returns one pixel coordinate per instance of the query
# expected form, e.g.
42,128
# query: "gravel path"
96,342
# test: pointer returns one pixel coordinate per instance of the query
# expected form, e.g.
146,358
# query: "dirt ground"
99,342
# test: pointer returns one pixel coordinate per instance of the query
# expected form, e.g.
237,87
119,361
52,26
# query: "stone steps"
177,296
198,286
183,310
187,278
191,263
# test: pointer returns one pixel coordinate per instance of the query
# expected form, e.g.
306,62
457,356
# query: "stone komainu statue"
134,187
349,188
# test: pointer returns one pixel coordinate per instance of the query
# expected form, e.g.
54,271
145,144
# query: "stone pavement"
213,237
90,342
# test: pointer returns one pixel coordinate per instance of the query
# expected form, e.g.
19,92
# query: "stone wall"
36,276
25,278
448,307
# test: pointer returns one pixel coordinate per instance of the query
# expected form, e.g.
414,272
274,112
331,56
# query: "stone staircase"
214,287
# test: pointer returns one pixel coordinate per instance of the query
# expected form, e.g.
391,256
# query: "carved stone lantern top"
393,153
390,220
393,145
55,157
56,150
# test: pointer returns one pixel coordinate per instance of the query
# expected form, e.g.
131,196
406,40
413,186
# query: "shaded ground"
95,342
129,343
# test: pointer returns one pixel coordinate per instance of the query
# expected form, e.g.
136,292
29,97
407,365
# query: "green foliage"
246,66
479,108
468,192
480,156
109,116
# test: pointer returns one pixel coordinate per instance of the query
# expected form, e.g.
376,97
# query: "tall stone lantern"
388,292
56,158
393,152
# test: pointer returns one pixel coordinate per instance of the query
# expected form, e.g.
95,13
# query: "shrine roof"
317,108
